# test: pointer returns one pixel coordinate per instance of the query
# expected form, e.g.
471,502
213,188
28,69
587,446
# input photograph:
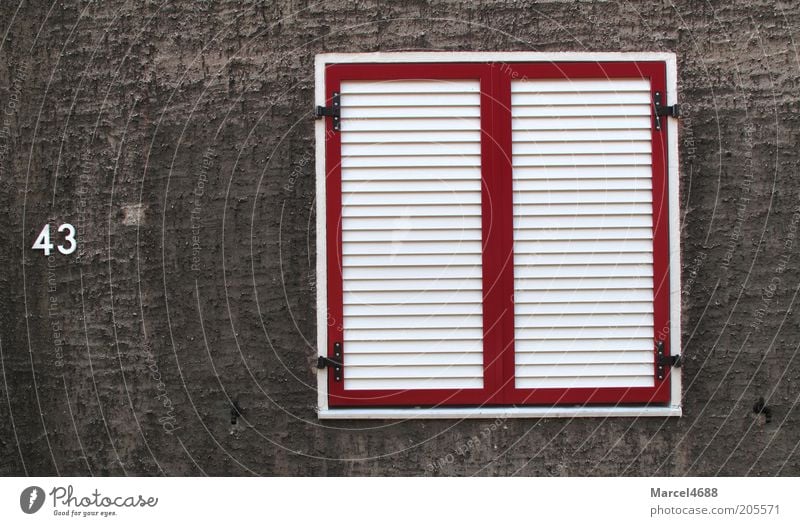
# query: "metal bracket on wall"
335,362
664,111
663,362
331,111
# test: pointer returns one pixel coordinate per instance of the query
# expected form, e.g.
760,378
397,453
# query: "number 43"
43,241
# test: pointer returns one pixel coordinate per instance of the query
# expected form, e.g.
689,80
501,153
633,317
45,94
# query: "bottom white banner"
378,501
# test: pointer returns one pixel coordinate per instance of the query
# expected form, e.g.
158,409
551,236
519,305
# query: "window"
497,234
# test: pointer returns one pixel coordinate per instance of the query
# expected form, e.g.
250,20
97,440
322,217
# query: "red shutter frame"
497,234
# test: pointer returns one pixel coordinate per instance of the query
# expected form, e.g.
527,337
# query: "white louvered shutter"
411,234
583,237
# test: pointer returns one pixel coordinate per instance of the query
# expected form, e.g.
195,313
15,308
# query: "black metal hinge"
334,110
664,362
335,362
663,111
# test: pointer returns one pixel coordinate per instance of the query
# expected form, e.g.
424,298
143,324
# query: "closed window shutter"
583,236
406,165
496,234
411,234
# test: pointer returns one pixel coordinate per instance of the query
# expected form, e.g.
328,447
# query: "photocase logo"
31,499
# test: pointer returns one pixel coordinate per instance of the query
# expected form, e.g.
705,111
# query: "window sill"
497,412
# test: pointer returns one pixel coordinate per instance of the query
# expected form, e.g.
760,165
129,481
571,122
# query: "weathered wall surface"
177,137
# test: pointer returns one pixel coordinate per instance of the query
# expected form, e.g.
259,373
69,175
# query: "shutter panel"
411,234
583,233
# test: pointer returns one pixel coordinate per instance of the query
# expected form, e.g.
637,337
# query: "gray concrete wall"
145,124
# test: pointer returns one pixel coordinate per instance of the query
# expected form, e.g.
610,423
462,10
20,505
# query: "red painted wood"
505,253
333,221
661,290
497,223
493,243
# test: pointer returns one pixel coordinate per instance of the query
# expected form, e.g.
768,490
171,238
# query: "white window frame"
673,408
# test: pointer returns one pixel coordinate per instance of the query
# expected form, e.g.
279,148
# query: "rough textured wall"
177,137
